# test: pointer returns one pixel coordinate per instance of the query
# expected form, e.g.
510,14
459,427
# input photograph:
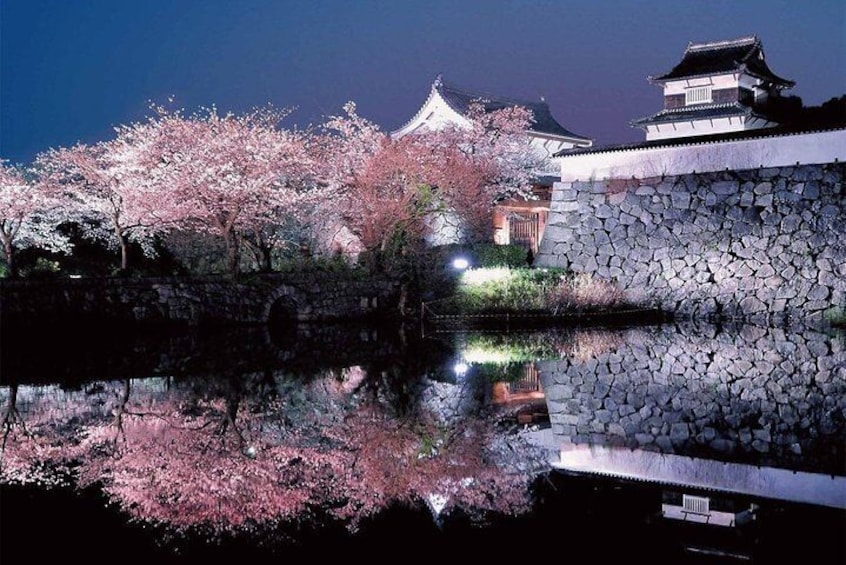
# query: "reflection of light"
460,263
75,276
460,368
437,502
250,452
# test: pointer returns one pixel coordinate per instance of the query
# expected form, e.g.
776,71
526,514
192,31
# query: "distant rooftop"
720,57
460,99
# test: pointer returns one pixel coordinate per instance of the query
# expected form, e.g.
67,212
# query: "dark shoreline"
577,516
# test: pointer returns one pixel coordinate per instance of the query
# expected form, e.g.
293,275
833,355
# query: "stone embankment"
760,244
198,300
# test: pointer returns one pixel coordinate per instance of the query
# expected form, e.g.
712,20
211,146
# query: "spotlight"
460,263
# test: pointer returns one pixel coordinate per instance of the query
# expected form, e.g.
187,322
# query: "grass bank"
520,292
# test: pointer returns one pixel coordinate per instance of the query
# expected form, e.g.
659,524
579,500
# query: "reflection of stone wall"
759,243
756,394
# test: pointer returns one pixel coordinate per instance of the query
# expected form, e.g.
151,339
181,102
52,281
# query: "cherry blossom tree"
233,174
391,187
379,182
28,216
482,163
110,188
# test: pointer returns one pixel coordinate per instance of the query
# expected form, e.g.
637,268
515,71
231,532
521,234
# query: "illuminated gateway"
717,87
515,221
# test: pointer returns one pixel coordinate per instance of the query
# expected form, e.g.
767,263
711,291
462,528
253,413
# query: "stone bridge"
303,296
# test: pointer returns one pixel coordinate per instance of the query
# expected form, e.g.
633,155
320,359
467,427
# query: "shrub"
529,291
491,255
42,268
835,316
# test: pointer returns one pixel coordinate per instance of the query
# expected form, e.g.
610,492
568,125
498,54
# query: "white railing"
696,504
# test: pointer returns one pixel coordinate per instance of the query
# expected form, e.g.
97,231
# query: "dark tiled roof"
719,57
460,101
776,131
698,112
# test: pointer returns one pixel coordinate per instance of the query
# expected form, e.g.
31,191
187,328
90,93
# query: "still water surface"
256,442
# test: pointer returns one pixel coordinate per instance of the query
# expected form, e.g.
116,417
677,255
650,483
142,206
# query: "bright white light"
460,263
437,502
481,276
76,276
460,368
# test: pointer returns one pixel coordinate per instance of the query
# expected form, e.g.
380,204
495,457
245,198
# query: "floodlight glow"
482,276
460,368
460,263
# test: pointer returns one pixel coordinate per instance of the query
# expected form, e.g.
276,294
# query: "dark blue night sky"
73,69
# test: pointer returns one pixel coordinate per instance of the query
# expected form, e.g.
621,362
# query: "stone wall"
753,394
758,244
197,300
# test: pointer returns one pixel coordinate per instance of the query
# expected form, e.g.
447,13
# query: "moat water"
255,443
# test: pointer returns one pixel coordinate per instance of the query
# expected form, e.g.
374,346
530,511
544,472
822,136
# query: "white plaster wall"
717,82
702,127
777,151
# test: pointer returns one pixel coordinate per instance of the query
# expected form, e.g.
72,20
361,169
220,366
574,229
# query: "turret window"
697,95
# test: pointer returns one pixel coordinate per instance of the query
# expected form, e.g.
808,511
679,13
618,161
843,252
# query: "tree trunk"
124,249
123,255
267,262
403,298
232,252
9,252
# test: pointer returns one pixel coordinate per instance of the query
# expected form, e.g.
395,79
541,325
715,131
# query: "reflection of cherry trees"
228,459
418,459
34,427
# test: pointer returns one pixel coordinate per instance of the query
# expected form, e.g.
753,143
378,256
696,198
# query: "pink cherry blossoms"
259,187
28,216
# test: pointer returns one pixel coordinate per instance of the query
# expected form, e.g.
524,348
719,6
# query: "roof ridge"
722,44
695,109
488,96
419,112
710,106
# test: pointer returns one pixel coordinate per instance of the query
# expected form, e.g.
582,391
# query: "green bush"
501,290
42,268
492,255
835,316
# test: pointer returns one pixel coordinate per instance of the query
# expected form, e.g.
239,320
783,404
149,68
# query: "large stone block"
725,188
681,200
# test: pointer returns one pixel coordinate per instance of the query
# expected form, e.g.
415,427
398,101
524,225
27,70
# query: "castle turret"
717,87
